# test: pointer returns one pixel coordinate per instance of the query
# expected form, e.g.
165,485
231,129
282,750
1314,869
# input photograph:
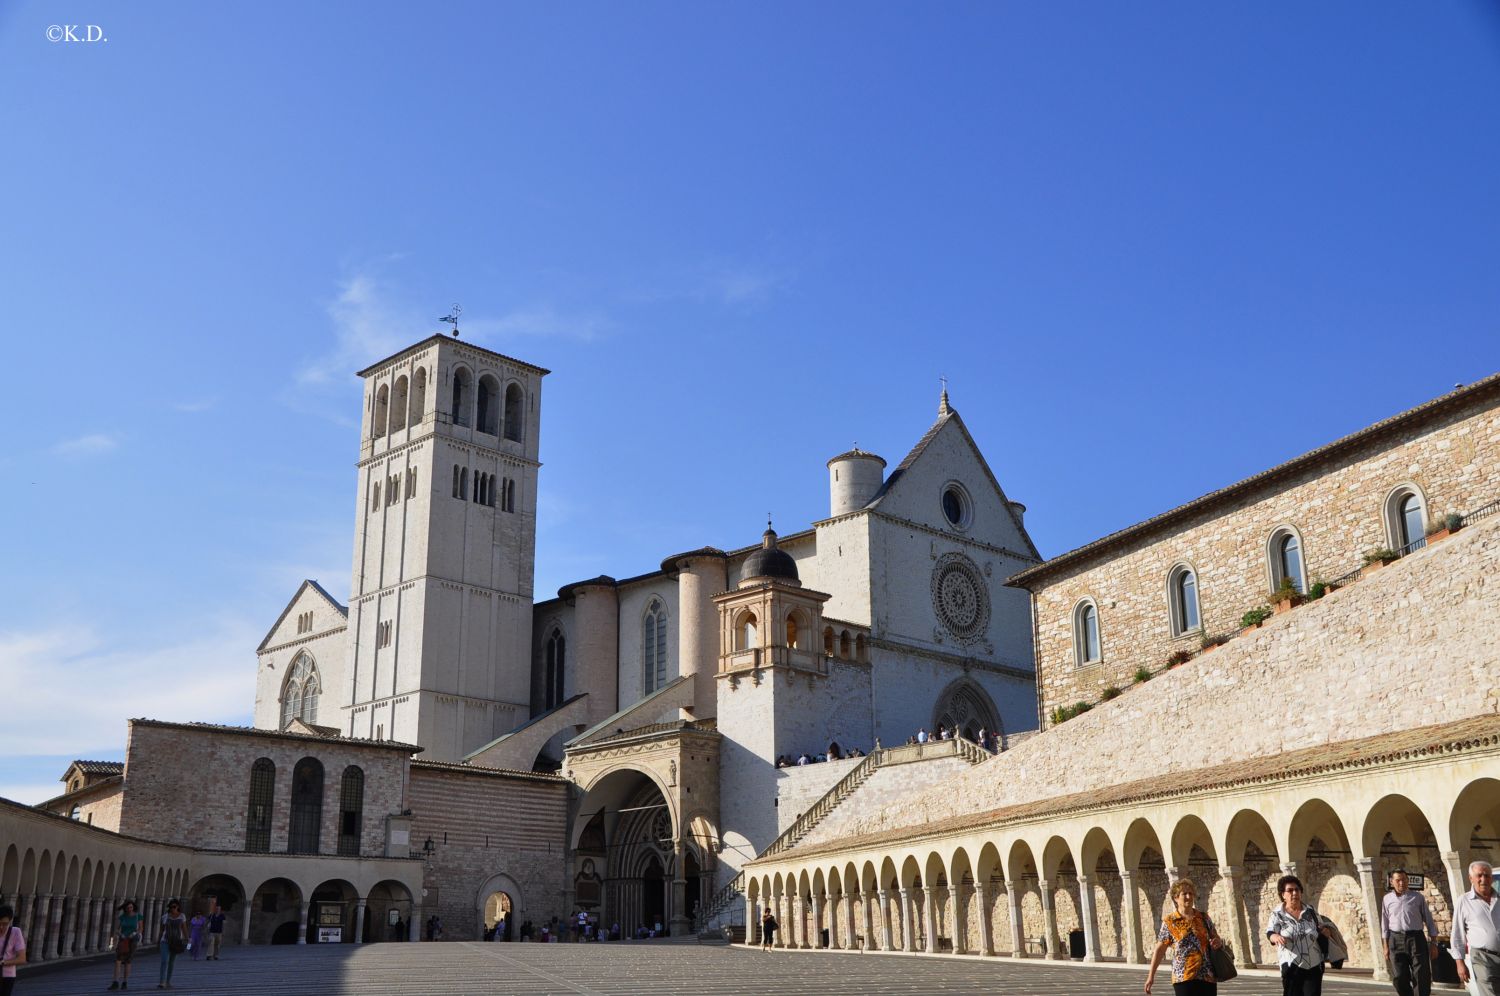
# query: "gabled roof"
1214,499
438,337
309,583
945,416
96,768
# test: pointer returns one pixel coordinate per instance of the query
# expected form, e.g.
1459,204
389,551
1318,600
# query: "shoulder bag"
1220,959
175,942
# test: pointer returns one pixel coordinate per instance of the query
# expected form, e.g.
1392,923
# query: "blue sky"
1155,247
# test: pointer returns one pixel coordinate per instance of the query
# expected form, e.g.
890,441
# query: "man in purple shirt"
1403,915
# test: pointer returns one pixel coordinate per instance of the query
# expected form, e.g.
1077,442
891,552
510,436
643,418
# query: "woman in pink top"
12,950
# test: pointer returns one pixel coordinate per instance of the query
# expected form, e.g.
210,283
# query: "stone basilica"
1320,633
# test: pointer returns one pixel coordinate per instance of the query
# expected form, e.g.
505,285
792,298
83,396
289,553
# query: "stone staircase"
891,768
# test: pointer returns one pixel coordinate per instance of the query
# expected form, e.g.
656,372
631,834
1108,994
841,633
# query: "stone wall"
1396,642
883,789
491,831
1337,506
801,785
190,784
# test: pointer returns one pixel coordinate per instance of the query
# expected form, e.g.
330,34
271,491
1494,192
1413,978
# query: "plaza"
658,968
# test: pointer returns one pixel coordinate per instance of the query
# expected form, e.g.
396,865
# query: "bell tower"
444,548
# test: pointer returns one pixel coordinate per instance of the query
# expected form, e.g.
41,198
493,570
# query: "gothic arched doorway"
626,853
965,708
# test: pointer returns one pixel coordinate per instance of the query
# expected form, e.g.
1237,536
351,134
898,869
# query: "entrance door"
653,895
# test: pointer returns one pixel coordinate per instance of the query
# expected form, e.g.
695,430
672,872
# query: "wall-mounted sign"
330,935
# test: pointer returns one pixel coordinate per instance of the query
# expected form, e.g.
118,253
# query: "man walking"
1403,917
1476,931
215,931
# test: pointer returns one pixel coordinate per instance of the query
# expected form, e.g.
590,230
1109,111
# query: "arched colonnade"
1041,884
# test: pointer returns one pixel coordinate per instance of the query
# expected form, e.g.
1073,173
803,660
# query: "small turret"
854,478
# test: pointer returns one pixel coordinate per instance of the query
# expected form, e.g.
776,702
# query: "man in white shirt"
1476,931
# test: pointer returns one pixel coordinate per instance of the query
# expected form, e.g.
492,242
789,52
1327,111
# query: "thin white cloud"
80,688
539,321
367,325
92,444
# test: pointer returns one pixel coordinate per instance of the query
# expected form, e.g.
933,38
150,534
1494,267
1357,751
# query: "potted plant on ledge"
1252,619
1378,558
1286,597
1441,529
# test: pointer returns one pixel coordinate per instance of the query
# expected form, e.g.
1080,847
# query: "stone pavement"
621,969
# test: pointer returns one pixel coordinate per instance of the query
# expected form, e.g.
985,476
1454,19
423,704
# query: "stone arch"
399,401
498,883
275,911
329,898
1476,814
385,896
515,407
966,707
229,892
1396,834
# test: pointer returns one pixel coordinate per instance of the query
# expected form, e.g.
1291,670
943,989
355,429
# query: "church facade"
888,616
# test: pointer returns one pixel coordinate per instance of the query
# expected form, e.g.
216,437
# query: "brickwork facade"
491,831
1336,504
190,784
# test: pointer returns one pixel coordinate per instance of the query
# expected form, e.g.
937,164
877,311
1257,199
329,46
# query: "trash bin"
1075,944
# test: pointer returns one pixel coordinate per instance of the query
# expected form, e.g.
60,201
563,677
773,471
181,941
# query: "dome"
769,562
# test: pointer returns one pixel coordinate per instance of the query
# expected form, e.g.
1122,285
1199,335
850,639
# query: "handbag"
175,942
1221,960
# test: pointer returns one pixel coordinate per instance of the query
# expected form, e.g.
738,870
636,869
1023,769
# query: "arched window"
398,404
375,498
513,412
846,644
299,695
1406,517
828,640
745,631
382,403
481,482
462,380
258,816
1086,648
1285,555
510,496
351,810
654,647
307,807
418,397
1182,589
76,812
455,480
861,651
557,661
793,631
463,484
488,419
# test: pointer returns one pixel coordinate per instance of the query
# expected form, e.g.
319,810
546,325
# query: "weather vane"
452,317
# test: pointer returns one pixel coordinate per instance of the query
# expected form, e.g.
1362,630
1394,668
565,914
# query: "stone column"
929,918
986,929
70,929
885,920
682,924
152,923
1458,879
869,921
960,919
908,936
302,922
851,934
1130,906
41,931
1372,899
90,940
359,921
1288,868
245,922
1090,918
1049,920
413,929
817,921
1017,934
752,923
1239,930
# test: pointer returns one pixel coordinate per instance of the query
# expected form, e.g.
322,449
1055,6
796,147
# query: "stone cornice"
958,539
388,589
468,446
978,663
305,638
